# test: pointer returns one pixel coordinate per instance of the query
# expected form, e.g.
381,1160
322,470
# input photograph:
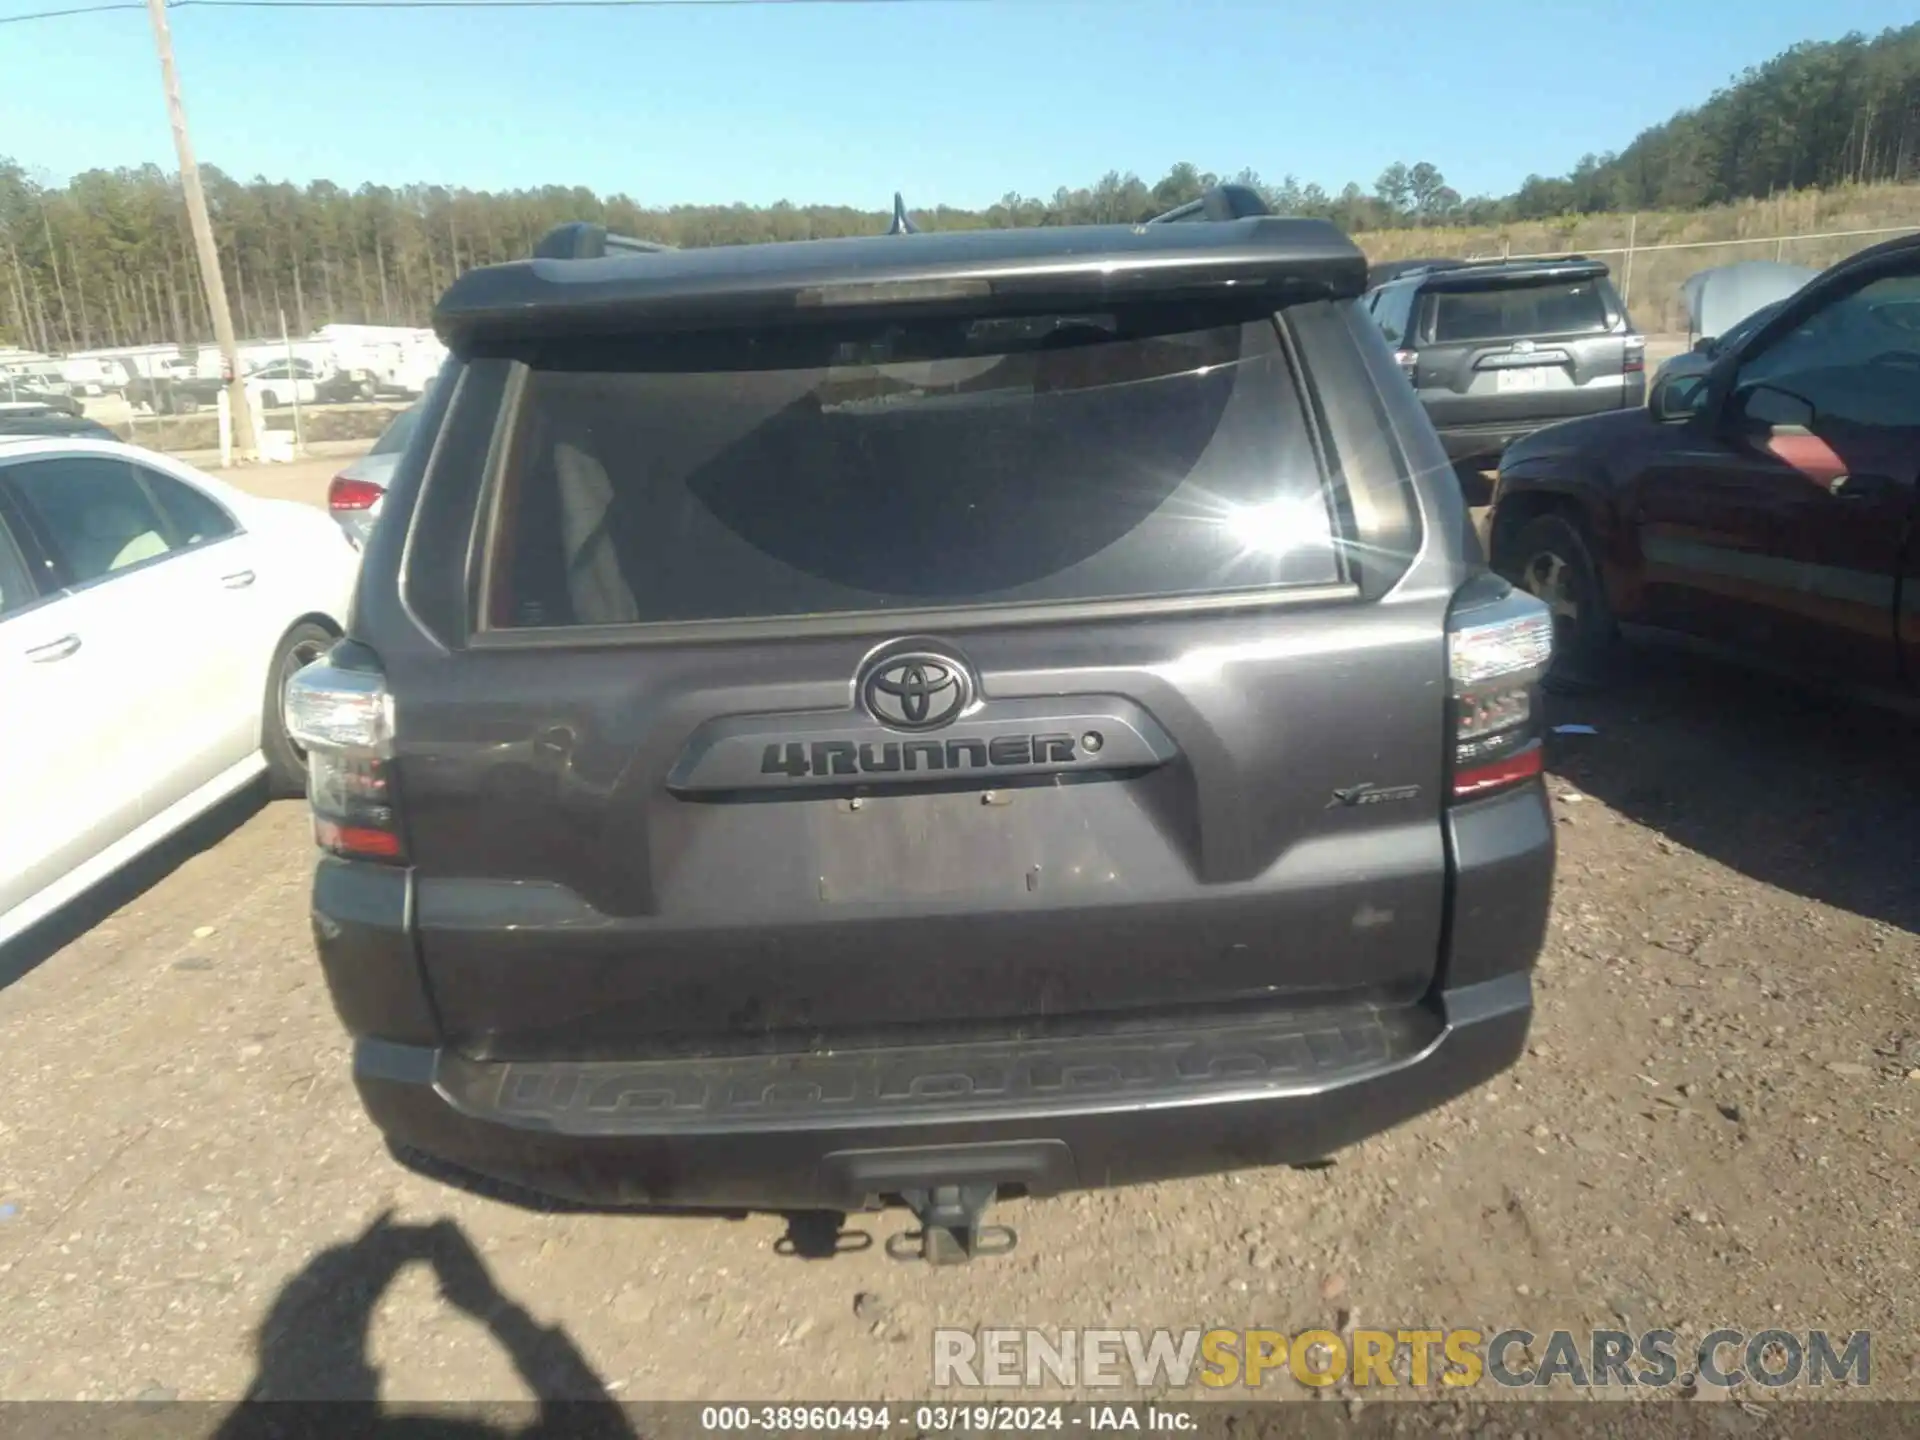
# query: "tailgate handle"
238,580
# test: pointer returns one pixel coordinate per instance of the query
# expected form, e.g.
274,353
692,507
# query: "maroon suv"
1766,507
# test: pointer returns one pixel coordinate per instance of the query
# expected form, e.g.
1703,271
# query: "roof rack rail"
583,240
902,224
1222,202
1523,260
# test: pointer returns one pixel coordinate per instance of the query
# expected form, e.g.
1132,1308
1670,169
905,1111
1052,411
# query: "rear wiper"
871,402
930,400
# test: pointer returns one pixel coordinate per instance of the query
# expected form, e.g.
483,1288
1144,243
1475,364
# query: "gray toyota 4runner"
922,718
1498,349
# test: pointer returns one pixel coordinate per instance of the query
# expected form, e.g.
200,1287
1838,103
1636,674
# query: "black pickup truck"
173,394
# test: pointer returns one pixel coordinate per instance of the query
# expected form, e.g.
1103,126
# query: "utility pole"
196,199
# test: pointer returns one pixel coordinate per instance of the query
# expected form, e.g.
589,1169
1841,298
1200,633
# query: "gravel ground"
1715,1123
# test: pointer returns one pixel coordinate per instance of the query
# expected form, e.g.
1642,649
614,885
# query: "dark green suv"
1496,350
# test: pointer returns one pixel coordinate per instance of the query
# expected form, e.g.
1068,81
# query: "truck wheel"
1552,560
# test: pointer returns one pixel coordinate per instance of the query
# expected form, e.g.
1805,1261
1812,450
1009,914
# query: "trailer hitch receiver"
951,1232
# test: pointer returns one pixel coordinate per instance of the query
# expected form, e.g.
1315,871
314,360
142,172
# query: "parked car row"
1762,502
29,392
175,385
274,385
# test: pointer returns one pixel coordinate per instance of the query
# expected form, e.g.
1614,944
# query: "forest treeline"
105,259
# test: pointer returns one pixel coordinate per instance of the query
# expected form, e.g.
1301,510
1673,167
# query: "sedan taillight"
347,493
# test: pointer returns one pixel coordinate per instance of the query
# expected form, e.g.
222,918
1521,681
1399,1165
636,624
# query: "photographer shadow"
810,1234
313,1348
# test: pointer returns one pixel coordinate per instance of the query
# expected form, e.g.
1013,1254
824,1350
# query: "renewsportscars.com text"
1456,1358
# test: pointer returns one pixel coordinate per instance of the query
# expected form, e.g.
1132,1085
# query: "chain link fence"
1650,276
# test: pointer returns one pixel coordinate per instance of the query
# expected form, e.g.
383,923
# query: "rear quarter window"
1390,305
395,437
17,589
834,470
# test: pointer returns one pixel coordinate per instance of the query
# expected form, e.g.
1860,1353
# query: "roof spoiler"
583,240
1389,270
1483,274
1222,202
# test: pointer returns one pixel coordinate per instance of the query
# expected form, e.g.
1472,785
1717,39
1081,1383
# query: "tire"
286,761
1551,559
269,400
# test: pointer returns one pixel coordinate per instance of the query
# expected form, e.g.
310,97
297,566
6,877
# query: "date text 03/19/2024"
941,1419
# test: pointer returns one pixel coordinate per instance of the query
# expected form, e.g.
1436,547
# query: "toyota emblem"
917,691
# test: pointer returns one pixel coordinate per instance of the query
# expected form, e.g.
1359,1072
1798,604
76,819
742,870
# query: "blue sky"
846,103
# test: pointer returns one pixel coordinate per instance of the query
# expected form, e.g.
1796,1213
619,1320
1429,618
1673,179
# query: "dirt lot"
1715,1124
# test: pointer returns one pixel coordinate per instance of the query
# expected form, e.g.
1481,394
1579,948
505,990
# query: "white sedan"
150,617
284,383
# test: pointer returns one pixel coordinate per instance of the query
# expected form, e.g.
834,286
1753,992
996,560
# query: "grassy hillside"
1653,286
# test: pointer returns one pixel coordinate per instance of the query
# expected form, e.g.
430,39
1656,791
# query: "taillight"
1499,642
1409,362
346,493
340,712
1636,361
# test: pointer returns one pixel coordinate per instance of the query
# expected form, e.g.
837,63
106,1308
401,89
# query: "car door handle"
238,580
54,649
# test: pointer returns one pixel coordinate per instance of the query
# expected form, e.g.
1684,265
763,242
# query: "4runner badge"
1372,794
918,691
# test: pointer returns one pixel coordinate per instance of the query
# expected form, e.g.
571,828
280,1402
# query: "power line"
465,5
76,10
540,4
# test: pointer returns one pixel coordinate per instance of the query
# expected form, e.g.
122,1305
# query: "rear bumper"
840,1130
1485,439
844,1132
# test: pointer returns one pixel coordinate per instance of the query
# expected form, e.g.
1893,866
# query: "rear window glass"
829,470
1561,309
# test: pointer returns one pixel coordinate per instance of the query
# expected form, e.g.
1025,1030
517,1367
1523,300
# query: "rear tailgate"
981,678
1548,346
